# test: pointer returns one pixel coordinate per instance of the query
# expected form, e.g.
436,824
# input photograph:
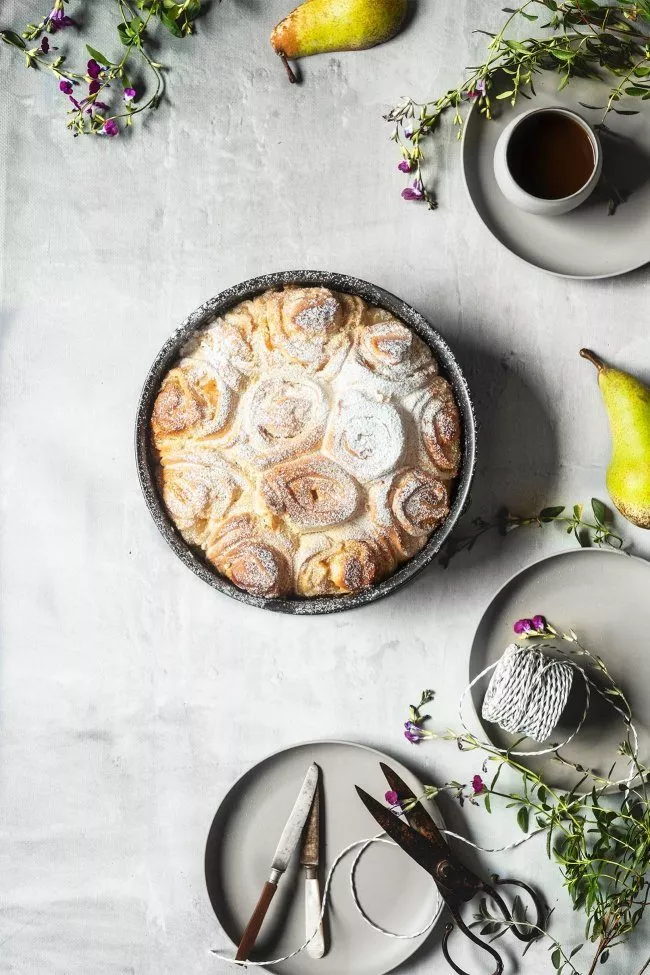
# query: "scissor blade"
408,839
417,816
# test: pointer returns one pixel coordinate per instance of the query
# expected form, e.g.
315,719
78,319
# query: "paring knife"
309,858
288,842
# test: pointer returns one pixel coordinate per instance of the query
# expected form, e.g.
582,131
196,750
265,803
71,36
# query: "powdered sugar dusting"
365,435
322,416
318,318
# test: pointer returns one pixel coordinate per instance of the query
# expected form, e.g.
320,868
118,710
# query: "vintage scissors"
423,841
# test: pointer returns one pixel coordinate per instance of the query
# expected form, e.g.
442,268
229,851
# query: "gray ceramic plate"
586,243
395,892
603,596
207,312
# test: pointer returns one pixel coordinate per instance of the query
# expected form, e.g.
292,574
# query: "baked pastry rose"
345,566
226,345
312,492
198,486
284,415
365,435
194,401
416,500
392,351
310,327
253,559
440,426
306,444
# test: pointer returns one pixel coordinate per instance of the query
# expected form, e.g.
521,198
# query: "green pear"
318,26
627,401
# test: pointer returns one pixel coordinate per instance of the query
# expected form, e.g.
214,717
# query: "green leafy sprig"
89,113
600,840
582,38
587,531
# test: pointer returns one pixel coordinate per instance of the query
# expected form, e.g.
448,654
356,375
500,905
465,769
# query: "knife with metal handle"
309,858
288,842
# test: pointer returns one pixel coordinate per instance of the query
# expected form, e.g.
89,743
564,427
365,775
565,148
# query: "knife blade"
287,844
309,859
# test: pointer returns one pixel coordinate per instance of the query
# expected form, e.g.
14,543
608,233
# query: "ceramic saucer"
588,242
603,596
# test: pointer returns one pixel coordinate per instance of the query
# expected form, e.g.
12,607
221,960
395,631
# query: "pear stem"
288,68
593,358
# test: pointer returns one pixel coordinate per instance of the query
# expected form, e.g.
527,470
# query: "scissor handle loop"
534,930
472,937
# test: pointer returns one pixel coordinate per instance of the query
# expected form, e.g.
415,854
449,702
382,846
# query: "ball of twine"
528,692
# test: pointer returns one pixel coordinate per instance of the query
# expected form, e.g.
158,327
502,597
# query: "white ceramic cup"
535,204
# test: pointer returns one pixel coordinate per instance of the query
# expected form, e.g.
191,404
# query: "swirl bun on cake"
306,444
344,566
312,492
308,327
365,435
256,560
284,415
226,345
392,351
419,502
440,426
199,486
194,401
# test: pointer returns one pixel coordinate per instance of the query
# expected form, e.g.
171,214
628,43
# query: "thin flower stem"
616,93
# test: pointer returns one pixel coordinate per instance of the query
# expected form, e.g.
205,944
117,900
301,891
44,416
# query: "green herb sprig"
105,77
595,530
586,39
600,841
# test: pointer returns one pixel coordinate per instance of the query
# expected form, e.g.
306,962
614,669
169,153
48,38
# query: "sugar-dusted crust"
306,443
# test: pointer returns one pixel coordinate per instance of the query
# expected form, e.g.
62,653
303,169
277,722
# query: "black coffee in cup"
550,155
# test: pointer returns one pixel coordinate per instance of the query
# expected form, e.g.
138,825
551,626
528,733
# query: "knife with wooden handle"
309,858
288,842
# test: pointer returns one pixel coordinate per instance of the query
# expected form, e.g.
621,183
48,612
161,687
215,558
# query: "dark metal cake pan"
203,316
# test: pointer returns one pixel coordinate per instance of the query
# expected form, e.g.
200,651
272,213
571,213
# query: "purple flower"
405,166
408,131
94,69
129,94
57,20
76,104
102,106
392,798
94,87
413,732
528,627
45,45
479,90
414,192
66,87
523,626
110,127
478,785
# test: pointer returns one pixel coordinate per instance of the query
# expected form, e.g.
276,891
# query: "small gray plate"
395,892
586,243
603,596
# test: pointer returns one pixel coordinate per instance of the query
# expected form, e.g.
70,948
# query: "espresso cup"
548,161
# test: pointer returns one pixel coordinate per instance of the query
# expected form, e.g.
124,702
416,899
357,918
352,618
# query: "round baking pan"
204,315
